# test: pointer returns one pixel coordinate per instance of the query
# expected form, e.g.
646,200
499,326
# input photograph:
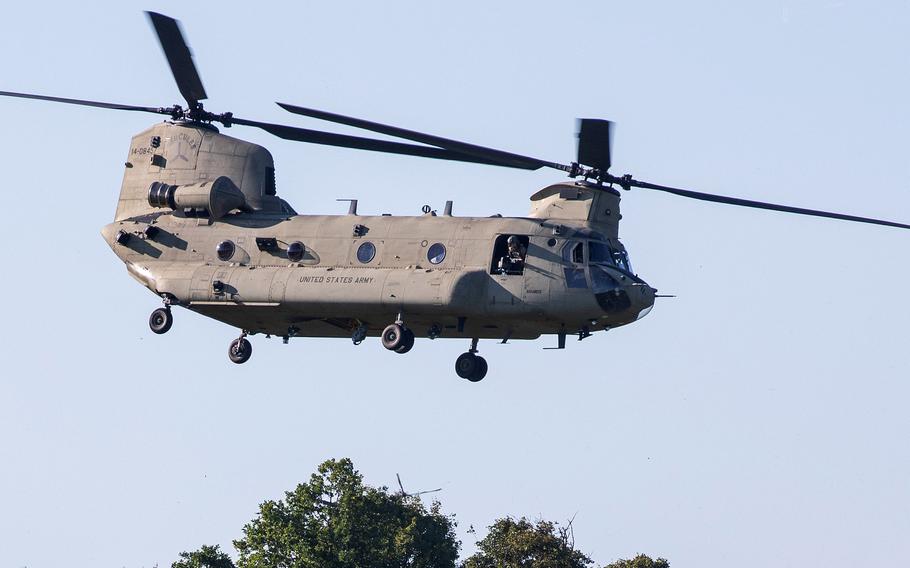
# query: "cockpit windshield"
602,253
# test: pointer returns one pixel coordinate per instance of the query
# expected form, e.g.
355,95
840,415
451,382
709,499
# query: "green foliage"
640,561
522,544
334,521
205,557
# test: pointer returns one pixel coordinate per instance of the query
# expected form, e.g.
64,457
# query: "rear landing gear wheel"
407,342
471,367
240,350
161,320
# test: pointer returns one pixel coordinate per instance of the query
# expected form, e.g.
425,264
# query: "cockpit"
605,265
600,252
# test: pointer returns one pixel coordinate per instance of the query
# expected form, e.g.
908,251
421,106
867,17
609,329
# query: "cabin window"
436,253
509,254
366,252
225,250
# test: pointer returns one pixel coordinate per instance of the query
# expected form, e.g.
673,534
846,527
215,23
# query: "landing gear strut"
240,350
161,320
471,366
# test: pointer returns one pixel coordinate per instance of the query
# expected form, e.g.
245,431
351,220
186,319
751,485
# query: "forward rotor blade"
98,104
346,141
488,155
178,57
595,143
762,205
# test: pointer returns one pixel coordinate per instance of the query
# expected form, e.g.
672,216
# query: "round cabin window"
296,251
366,252
436,253
225,250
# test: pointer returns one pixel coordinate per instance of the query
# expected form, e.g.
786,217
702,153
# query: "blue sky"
758,418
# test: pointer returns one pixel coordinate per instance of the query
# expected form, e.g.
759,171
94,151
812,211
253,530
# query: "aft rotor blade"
98,104
760,204
489,155
178,57
346,141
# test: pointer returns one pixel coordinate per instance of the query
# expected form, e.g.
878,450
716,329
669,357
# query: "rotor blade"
346,141
98,104
595,143
762,205
489,155
178,57
400,485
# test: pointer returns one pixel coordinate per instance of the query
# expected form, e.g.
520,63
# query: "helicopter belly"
330,302
321,292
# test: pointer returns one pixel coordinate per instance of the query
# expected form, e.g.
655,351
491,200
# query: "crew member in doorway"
513,261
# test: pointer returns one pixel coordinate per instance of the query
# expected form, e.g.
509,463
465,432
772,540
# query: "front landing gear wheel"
240,350
394,336
161,320
471,367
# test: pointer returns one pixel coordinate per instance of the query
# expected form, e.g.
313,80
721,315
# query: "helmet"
512,240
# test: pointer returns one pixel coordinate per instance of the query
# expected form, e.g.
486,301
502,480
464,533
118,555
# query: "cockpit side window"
600,252
574,252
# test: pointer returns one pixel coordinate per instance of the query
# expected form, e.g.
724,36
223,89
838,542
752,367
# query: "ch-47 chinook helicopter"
199,223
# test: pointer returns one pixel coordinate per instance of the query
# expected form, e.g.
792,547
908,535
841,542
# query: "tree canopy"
521,544
205,557
335,521
640,561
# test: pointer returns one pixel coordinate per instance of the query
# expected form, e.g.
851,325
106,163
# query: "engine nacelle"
218,197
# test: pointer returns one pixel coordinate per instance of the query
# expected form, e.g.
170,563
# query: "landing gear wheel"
470,366
481,371
393,336
240,350
161,320
407,342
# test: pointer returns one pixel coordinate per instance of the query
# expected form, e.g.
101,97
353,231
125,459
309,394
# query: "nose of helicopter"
645,299
629,302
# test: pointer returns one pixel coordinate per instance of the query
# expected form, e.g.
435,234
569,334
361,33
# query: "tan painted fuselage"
330,292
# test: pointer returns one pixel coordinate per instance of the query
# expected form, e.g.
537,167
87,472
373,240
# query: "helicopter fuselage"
199,222
441,275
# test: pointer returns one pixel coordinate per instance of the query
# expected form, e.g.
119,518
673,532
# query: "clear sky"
759,418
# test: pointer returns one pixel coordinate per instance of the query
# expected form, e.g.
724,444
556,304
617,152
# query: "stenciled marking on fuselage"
335,280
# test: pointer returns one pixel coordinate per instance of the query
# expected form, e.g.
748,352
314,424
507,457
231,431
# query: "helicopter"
199,222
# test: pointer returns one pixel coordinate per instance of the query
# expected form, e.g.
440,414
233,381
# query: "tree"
205,557
522,544
334,521
640,561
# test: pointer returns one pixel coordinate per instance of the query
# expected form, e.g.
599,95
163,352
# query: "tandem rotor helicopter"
200,224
